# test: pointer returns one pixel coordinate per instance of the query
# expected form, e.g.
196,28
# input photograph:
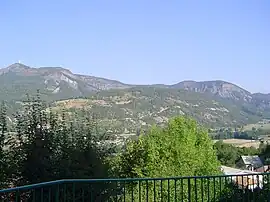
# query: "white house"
244,178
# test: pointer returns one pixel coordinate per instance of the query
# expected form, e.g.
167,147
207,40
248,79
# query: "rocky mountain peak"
217,87
56,80
16,68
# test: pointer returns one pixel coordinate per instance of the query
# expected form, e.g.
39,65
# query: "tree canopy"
182,148
228,154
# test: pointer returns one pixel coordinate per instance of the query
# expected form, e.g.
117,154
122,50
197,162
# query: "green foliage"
228,154
47,146
181,149
265,153
3,154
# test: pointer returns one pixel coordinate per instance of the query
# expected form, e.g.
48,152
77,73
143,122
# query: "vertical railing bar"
208,189
140,197
202,189
261,183
57,193
161,189
41,195
132,192
243,187
73,191
115,194
195,186
258,184
182,190
267,184
248,191
214,184
147,190
34,195
17,195
168,190
91,192
124,190
236,183
227,182
83,194
65,192
189,190
154,190
175,195
220,186
50,193
253,182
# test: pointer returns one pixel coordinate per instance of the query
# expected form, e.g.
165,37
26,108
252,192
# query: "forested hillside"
125,107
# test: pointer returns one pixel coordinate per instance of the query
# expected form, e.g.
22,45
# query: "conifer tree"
3,156
35,142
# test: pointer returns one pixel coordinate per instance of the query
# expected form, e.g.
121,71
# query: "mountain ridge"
210,102
185,84
61,83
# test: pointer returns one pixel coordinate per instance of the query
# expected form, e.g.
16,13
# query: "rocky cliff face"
228,91
220,88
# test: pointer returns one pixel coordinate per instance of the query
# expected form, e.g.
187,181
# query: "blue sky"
142,41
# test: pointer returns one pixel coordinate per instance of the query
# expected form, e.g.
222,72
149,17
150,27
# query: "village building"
249,163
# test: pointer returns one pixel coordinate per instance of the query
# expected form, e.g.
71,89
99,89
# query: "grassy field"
249,127
242,142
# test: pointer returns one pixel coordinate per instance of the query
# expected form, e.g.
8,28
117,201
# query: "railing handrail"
62,181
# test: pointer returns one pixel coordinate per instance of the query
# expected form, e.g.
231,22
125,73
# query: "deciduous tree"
183,148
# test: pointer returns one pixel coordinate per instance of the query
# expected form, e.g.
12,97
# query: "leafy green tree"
228,154
181,149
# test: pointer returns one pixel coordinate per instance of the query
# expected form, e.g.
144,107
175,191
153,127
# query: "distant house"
249,162
245,179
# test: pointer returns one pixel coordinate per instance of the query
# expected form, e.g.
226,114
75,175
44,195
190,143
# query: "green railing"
204,188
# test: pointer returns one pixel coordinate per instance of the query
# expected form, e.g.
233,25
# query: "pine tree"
50,146
36,143
3,156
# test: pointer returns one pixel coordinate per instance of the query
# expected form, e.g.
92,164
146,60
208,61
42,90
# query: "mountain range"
56,83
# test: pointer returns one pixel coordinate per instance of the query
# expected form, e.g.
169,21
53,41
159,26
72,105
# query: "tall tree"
3,156
38,144
181,149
